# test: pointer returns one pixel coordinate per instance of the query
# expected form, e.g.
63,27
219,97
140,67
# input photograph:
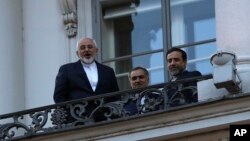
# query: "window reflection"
154,66
199,57
192,21
132,35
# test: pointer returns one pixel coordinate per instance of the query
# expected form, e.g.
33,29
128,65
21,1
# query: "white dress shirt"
92,74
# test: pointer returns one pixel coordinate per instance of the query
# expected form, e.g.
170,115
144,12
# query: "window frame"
166,34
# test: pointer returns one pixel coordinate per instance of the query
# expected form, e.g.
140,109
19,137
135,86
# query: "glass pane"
199,57
153,62
132,29
192,21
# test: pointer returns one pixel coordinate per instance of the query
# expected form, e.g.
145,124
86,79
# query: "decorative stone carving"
69,12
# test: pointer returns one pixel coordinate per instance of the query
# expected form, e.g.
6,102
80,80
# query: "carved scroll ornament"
69,12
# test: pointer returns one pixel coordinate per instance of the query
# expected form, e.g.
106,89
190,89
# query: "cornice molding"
69,12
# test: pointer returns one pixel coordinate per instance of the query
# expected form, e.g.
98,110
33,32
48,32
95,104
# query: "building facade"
37,37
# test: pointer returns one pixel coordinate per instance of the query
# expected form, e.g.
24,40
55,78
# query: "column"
11,57
85,21
233,34
45,48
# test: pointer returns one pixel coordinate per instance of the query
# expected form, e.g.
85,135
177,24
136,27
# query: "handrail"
91,110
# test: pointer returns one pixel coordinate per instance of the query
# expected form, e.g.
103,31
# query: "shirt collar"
88,65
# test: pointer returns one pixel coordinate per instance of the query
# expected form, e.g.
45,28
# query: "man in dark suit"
85,78
139,78
177,61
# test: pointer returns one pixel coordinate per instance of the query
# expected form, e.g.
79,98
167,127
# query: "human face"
176,64
86,50
138,79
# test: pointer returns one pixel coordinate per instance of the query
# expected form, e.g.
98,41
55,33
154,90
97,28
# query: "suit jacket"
132,105
189,98
72,82
188,74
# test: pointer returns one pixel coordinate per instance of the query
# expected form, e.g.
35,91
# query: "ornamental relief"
69,12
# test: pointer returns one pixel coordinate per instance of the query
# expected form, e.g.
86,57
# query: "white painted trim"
243,59
85,14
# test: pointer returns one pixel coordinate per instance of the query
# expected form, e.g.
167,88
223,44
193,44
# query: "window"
132,34
193,29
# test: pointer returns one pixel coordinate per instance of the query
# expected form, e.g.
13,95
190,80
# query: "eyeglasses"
140,77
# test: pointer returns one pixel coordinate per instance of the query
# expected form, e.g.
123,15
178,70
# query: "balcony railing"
102,108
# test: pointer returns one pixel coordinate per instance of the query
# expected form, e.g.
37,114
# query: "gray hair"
93,40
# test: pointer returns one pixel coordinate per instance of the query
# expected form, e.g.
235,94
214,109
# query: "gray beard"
87,61
175,72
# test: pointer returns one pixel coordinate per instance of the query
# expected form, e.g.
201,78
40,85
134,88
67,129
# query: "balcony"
157,118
